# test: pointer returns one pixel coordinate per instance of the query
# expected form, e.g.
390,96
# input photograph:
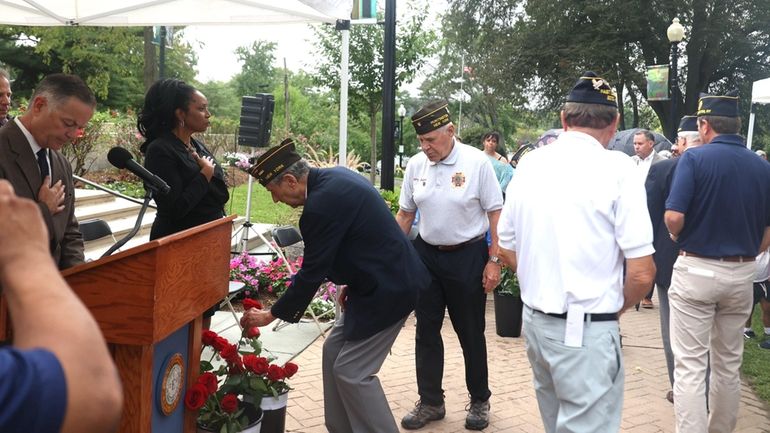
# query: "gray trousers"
665,331
353,397
579,389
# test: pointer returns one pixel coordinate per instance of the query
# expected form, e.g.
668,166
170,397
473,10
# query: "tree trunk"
635,109
150,59
619,89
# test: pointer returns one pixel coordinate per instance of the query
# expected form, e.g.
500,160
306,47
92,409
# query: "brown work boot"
478,415
422,414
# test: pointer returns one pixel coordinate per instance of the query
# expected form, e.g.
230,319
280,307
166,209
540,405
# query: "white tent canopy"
760,94
167,12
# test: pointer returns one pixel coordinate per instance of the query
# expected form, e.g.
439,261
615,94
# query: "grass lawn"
263,210
756,361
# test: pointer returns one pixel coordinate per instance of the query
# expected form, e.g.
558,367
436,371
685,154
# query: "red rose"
290,369
208,337
275,373
229,403
235,366
261,365
252,332
209,380
196,396
250,361
219,343
249,303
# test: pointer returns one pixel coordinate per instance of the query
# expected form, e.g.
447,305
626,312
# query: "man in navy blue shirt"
58,376
718,212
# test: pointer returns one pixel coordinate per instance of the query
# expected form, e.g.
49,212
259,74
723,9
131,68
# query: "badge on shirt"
458,180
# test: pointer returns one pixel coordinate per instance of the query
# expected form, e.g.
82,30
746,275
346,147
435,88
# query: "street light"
401,114
675,35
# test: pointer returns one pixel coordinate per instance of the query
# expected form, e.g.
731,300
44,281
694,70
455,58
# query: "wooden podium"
148,301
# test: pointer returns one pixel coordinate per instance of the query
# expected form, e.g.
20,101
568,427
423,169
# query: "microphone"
121,158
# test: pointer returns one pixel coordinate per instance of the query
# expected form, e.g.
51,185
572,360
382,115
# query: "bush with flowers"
237,159
218,393
271,276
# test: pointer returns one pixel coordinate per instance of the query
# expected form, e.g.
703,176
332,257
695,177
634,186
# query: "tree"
535,49
413,45
257,72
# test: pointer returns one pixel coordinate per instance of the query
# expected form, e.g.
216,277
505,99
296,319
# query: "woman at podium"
173,112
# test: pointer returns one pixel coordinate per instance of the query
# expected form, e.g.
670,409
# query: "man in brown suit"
31,158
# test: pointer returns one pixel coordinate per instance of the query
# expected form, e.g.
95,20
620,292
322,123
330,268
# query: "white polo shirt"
452,195
573,211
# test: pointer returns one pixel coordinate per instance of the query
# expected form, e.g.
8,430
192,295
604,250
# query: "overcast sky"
215,45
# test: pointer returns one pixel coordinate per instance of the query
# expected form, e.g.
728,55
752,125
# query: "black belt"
457,246
735,259
595,317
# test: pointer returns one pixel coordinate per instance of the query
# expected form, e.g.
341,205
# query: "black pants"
455,286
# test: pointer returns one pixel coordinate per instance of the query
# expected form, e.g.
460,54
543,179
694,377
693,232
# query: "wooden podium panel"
143,295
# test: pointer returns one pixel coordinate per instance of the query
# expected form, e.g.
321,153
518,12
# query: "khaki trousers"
710,301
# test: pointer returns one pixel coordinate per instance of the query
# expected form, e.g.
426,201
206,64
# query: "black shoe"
421,415
670,397
478,415
765,344
749,334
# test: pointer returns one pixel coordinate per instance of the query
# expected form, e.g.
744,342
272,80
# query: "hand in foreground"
342,296
52,196
491,277
22,226
256,317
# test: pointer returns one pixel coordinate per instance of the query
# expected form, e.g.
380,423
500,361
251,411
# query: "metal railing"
110,191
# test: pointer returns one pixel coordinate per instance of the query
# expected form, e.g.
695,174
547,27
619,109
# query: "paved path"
514,407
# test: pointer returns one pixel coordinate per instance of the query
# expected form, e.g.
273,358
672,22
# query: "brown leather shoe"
670,397
647,303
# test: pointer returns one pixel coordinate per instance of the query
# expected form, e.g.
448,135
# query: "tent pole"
344,27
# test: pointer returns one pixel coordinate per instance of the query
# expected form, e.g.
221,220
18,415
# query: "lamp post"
401,114
675,35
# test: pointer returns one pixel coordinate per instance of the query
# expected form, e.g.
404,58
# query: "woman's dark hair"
500,148
158,114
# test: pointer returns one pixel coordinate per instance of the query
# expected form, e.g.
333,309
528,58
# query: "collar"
30,139
650,156
734,139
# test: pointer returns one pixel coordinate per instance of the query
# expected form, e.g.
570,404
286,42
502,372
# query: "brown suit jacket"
18,165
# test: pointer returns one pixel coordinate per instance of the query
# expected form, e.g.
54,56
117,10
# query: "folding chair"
94,229
285,236
234,289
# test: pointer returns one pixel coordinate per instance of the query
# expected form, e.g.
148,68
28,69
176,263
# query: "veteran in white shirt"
574,213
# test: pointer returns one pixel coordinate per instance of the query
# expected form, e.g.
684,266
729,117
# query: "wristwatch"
496,260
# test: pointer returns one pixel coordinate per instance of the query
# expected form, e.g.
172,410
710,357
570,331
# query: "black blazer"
658,186
352,238
192,200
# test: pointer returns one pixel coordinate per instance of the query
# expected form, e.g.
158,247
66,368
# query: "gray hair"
722,124
57,88
299,170
4,73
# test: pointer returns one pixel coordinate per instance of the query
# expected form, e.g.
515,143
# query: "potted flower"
508,304
224,396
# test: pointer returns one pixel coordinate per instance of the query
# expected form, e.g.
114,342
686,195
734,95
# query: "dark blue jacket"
658,185
352,238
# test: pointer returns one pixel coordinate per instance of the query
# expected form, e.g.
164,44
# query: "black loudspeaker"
256,120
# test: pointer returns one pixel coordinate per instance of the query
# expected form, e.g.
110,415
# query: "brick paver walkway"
514,406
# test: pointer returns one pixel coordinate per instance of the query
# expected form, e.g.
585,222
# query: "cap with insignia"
714,105
592,89
273,162
431,117
688,124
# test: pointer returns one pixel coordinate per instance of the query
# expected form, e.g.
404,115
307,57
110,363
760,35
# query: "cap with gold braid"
592,89
273,162
431,117
713,105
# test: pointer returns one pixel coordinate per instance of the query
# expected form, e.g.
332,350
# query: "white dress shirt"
573,211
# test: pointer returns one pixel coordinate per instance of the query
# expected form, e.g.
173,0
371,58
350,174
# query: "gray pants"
665,331
353,397
579,389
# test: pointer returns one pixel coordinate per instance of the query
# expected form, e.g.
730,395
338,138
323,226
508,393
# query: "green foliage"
263,210
391,198
755,360
257,72
509,283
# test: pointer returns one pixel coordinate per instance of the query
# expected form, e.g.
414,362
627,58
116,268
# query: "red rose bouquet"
241,371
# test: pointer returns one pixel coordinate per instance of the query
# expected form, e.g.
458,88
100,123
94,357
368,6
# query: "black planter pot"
274,414
508,311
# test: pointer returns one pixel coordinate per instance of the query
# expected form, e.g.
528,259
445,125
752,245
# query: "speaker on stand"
254,131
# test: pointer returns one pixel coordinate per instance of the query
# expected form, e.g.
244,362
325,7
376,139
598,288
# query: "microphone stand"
149,191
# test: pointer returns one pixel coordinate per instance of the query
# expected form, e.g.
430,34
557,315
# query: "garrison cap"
592,89
431,117
714,105
274,162
688,124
